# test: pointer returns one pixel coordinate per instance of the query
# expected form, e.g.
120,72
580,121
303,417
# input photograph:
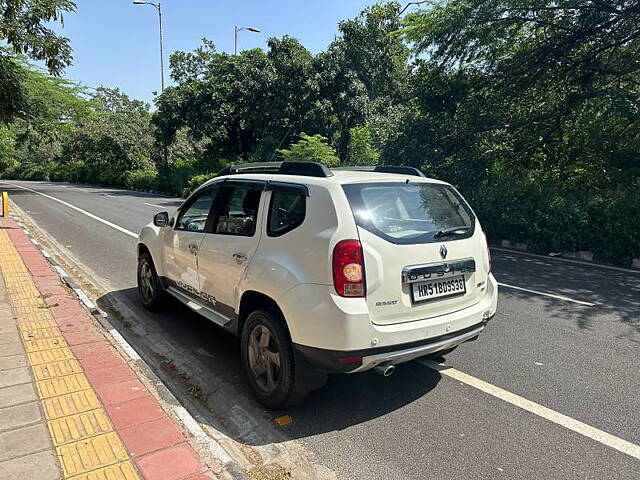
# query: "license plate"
423,291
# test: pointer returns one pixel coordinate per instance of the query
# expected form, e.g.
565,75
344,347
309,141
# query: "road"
550,390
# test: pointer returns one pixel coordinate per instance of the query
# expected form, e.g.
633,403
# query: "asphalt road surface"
550,390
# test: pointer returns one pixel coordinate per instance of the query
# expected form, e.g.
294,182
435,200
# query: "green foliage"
361,149
145,180
24,29
529,107
194,182
311,148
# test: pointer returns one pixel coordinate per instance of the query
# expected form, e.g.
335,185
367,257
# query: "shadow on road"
185,343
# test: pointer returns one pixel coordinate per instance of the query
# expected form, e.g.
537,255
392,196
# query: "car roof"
339,177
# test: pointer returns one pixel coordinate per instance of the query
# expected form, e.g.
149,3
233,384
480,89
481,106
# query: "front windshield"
409,212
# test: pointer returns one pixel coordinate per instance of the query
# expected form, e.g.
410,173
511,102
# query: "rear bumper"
339,361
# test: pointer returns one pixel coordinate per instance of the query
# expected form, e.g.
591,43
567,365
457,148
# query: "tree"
311,149
24,28
361,149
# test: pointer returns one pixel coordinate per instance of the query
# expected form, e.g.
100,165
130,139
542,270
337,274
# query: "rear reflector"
349,360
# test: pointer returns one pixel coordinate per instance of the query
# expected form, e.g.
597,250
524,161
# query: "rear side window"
409,213
286,212
239,214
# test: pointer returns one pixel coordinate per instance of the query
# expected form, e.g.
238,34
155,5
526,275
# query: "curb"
188,422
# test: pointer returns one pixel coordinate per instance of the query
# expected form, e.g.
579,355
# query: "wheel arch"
253,300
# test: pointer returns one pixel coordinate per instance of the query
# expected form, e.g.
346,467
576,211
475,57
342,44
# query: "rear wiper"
451,231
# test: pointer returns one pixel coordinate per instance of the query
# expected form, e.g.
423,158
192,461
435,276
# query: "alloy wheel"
264,358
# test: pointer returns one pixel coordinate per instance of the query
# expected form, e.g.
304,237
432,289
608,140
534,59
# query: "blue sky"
115,43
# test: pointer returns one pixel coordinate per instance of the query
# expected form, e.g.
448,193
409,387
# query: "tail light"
488,251
348,269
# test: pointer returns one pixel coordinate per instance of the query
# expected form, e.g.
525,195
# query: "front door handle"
241,257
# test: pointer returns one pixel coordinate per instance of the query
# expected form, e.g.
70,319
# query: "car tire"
150,288
269,362
441,353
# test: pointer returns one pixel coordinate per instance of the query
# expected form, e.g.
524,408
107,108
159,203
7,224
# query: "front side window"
286,212
240,214
194,216
406,213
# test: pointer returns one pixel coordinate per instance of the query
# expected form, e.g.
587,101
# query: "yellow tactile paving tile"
70,404
44,344
56,369
61,386
29,334
82,434
121,471
91,454
49,356
33,322
79,427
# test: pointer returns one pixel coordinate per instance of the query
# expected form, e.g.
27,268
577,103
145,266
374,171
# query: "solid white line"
558,297
153,205
558,418
90,215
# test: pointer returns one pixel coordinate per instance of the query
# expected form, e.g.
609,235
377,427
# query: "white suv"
323,271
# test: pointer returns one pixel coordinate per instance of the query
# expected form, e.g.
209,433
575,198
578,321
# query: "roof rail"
307,169
399,169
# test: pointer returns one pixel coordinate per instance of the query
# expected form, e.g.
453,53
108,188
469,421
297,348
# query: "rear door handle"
241,257
193,248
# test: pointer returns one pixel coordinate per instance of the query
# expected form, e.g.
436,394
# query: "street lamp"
239,29
158,7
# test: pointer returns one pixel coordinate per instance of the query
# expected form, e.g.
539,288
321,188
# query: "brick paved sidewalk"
70,406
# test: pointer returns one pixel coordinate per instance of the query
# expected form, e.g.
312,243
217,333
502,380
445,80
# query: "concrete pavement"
577,360
70,406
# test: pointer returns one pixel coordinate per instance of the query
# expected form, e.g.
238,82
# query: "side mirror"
161,219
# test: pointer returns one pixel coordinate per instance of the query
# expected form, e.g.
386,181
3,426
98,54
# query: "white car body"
217,275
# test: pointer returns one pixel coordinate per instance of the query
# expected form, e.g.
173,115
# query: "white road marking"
84,212
153,205
551,259
84,299
558,418
558,297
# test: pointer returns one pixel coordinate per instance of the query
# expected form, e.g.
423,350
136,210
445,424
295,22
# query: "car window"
409,213
194,217
239,215
286,212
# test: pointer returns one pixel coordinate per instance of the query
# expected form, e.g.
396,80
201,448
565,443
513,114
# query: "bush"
194,182
141,180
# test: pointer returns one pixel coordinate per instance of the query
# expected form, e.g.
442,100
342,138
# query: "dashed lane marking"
569,423
551,295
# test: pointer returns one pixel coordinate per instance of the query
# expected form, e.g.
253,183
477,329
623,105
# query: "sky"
116,44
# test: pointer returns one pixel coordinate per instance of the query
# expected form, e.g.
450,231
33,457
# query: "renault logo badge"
443,252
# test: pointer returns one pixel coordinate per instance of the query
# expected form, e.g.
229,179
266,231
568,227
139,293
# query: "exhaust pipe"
385,370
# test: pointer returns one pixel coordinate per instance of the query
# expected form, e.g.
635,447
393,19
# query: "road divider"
569,423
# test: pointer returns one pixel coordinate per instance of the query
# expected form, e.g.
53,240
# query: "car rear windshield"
409,213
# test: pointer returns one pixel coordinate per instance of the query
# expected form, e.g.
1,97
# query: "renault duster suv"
323,271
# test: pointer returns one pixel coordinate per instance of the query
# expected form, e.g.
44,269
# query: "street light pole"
158,7
237,29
